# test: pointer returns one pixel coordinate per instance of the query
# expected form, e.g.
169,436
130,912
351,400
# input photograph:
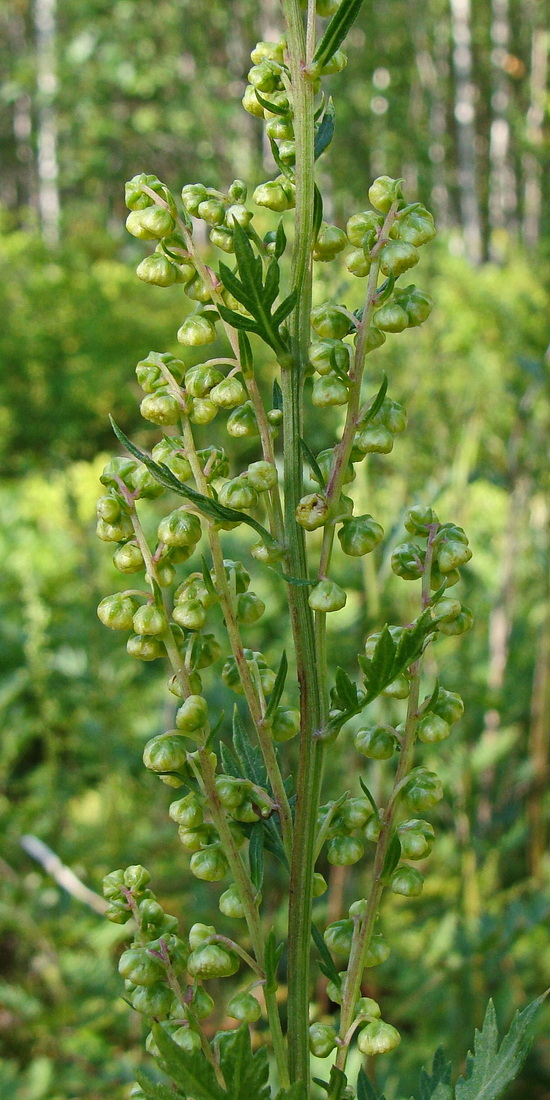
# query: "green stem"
364,927
312,700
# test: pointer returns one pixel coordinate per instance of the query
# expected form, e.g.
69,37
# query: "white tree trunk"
502,182
46,78
532,170
466,130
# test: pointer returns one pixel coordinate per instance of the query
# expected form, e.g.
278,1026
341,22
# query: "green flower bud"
192,195
136,877
199,380
416,837
180,528
375,339
157,1000
161,408
373,828
355,812
157,270
280,104
244,1007
139,967
448,706
209,865
415,226
118,912
320,885
419,519
149,619
271,195
231,791
212,211
202,410
119,469
196,331
391,318
329,390
287,154
343,851
366,1006
250,608
237,213
262,476
228,394
432,729
212,961
202,1003
407,561
285,724
231,905
159,223
416,303
374,439
328,322
108,508
337,62
397,257
312,511
187,811
205,650
198,291
334,991
451,554
151,913
128,558
112,884
376,742
407,881
117,611
384,192
242,423
338,936
251,104
187,1039
199,934
266,554
378,952
190,615
280,128
194,588
327,596
246,812
325,462
265,76
275,417
222,237
271,51
360,535
378,1038
326,356
239,494
197,838
114,532
362,229
193,714
398,688
330,241
357,263
134,195
422,790
446,610
322,1040
463,622
326,8
165,753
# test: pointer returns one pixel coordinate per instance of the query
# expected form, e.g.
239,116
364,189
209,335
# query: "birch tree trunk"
532,169
46,78
464,111
19,176
502,182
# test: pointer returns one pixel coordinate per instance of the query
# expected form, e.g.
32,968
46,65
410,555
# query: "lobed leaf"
154,1090
245,1072
366,1089
188,1069
491,1068
437,1084
328,967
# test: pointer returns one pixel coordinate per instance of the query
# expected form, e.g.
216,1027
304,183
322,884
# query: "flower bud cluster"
449,549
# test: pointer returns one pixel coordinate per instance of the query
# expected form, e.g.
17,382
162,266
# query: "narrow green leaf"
273,108
377,403
248,756
256,854
245,352
272,955
191,1071
378,671
429,703
285,169
278,687
346,689
386,290
491,1068
366,1089
277,395
272,280
312,461
207,577
368,795
230,763
325,130
339,26
393,855
240,322
235,287
317,211
203,504
437,1084
154,1090
245,1073
280,240
329,967
337,1084
286,307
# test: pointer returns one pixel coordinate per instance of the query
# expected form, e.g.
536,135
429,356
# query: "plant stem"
312,697
364,927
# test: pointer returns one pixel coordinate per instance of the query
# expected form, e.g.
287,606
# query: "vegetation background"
454,98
